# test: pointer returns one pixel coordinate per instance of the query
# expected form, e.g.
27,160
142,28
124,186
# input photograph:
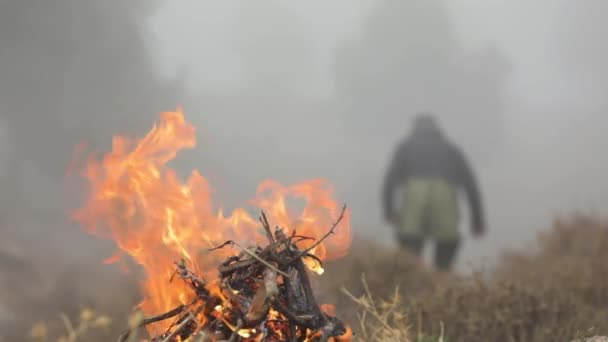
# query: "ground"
559,293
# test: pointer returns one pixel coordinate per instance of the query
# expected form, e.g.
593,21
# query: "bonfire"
208,276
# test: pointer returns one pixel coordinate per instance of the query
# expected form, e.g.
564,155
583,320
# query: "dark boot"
445,253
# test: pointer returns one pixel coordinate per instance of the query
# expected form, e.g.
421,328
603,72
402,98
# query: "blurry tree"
408,58
70,72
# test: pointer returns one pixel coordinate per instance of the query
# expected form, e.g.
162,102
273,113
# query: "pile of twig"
266,295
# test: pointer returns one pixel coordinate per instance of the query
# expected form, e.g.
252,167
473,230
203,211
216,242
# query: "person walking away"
428,171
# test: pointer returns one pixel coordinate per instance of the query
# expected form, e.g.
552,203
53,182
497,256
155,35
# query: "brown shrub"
555,294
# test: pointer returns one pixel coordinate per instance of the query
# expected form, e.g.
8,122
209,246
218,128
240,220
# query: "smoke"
516,91
407,58
294,91
401,58
70,72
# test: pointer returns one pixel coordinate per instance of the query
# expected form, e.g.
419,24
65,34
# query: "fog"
328,90
299,90
71,72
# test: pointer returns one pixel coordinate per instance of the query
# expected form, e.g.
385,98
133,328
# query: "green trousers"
430,210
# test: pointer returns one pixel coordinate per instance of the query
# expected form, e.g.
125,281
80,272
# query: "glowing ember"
156,219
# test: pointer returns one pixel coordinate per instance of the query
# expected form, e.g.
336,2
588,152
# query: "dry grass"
557,294
87,322
382,321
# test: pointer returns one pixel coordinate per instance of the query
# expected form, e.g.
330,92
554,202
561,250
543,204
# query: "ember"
171,229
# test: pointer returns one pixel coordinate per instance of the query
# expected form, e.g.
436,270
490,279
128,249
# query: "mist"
293,91
320,90
72,72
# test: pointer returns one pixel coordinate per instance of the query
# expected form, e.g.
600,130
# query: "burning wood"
156,219
264,295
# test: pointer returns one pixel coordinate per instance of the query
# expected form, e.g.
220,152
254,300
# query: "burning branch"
262,292
330,232
266,226
264,295
253,255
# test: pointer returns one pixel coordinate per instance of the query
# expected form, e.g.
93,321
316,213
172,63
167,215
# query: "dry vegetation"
557,294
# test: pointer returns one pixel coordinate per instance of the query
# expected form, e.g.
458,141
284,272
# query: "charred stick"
191,325
229,261
315,258
236,266
304,321
307,288
263,298
292,332
228,291
299,238
334,327
259,307
179,328
125,335
164,316
326,332
250,253
235,333
295,296
330,232
280,235
254,274
146,321
266,226
195,325
198,284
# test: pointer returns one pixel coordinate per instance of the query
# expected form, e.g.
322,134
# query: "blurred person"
428,171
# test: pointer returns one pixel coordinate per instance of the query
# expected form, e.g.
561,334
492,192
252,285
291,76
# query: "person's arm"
395,173
469,183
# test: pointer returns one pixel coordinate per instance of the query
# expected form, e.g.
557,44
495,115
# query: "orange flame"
155,218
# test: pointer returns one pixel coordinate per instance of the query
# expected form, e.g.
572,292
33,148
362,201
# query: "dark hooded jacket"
427,153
